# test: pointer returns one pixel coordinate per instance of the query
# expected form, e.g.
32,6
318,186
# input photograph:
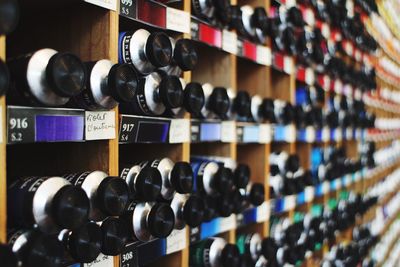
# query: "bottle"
9,16
46,77
255,22
250,245
284,162
155,94
188,209
145,51
262,110
214,251
108,195
36,249
216,102
83,244
283,112
184,57
114,232
203,9
107,85
52,203
144,182
147,221
175,177
4,78
7,256
253,194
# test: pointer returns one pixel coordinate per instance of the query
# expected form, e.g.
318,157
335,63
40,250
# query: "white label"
309,192
325,134
349,133
228,131
229,42
338,183
265,131
290,133
310,134
309,17
176,241
288,65
348,90
327,82
326,31
99,125
263,212
338,86
290,202
109,4
1,124
228,223
338,134
263,55
347,180
179,131
101,261
325,187
310,76
178,20
290,3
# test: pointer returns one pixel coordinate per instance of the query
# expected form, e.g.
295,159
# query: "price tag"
310,134
99,125
228,223
229,42
179,131
309,192
129,256
325,187
325,134
290,202
176,241
265,132
228,131
263,212
178,20
290,133
102,261
263,55
108,4
309,76
288,65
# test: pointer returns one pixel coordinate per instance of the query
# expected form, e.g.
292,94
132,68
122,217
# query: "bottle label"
141,98
199,255
126,55
77,178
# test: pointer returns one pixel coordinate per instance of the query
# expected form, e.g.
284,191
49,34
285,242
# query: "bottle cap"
295,17
185,55
46,251
241,104
225,205
223,180
241,175
259,19
193,211
9,16
159,49
123,82
84,243
66,74
113,195
223,11
266,110
161,220
4,78
292,163
114,236
182,177
148,184
219,101
171,91
193,98
230,256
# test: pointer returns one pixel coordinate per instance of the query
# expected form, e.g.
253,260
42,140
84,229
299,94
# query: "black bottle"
184,57
46,77
145,51
9,16
188,210
217,102
7,256
214,251
4,78
52,203
107,85
114,232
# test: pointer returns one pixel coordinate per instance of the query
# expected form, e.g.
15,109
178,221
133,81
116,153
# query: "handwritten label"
263,212
265,132
263,55
228,131
229,42
227,223
108,4
179,131
178,20
176,241
99,125
101,261
288,65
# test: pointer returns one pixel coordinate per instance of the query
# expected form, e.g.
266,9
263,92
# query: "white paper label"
228,223
325,187
348,179
290,3
101,261
349,133
99,125
338,134
290,202
108,4
265,131
179,131
176,241
178,20
228,131
263,55
325,134
327,82
288,65
310,76
290,133
326,31
348,90
338,182
263,212
309,192
338,86
310,134
357,94
229,42
309,17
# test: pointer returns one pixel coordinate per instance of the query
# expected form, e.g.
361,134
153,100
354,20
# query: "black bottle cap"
9,16
223,11
84,243
257,194
287,113
210,211
113,195
182,177
4,78
161,220
70,207
46,251
269,249
259,19
159,49
66,74
171,91
266,110
241,104
241,175
148,184
193,211
289,40
223,180
273,28
193,98
114,236
219,101
224,205
292,163
185,55
230,256
123,82
236,19
295,17
7,256
238,200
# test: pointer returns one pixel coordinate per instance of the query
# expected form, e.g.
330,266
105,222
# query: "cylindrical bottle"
36,249
115,235
145,51
174,176
184,57
108,195
7,256
83,244
214,252
4,78
155,94
52,203
46,77
147,221
250,245
188,210
9,16
107,85
145,183
216,102
262,110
